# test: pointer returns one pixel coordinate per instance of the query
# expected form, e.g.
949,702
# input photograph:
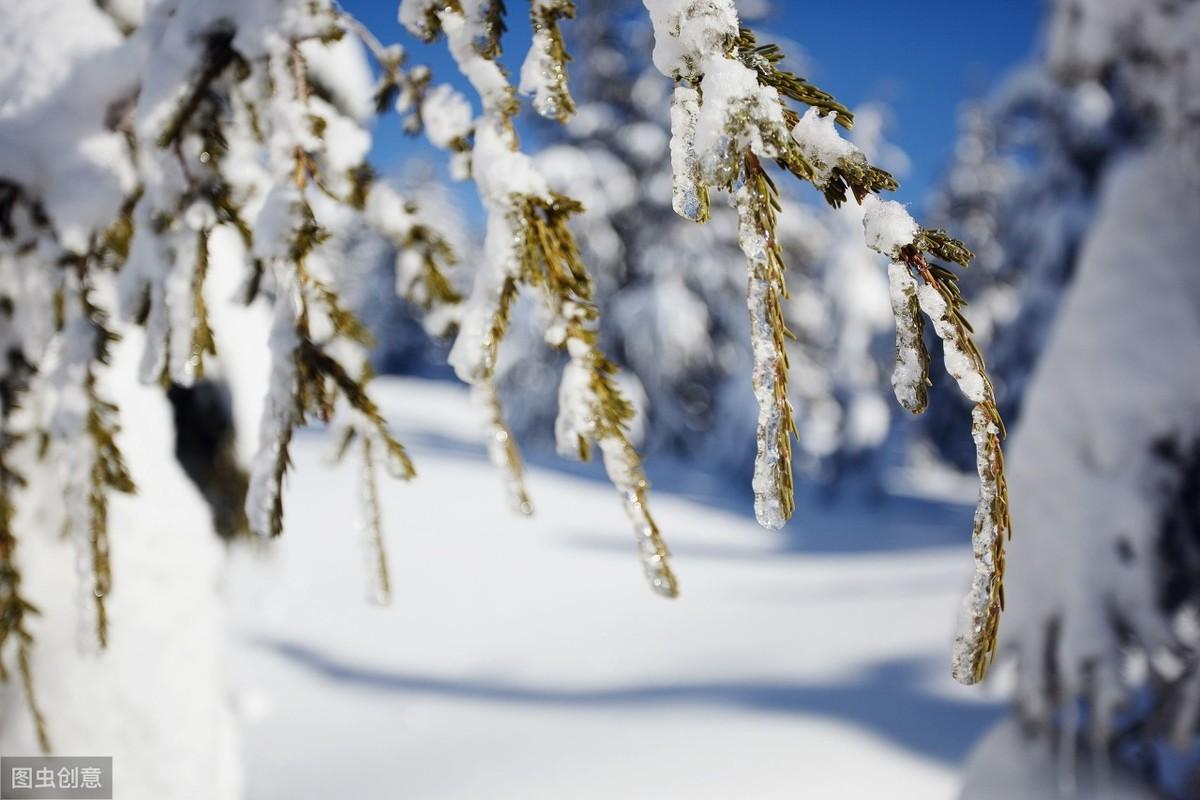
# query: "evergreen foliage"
230,117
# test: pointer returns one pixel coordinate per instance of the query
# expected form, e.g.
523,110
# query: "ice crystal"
690,195
773,502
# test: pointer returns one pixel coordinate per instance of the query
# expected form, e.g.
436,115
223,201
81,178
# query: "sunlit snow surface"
526,658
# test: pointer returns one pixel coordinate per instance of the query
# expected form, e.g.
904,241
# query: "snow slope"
526,658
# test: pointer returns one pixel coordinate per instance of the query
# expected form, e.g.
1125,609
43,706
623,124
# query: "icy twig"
730,111
690,194
755,202
528,243
84,426
591,408
975,642
502,446
910,378
15,609
544,73
379,580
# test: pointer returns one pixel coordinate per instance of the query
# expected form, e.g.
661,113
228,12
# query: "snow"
53,137
523,657
485,76
242,335
686,32
387,212
155,699
447,116
278,415
912,363
1006,763
576,409
689,196
887,226
821,145
959,363
341,67
344,145
1100,444
736,114
772,463
542,75
277,223
414,15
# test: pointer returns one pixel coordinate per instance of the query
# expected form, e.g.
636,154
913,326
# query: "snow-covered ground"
527,659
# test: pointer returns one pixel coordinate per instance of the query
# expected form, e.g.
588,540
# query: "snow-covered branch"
529,244
731,108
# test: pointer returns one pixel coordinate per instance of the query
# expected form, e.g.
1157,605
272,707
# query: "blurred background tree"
1078,184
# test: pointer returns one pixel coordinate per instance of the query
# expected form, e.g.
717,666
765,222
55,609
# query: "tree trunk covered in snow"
155,699
1103,573
1104,588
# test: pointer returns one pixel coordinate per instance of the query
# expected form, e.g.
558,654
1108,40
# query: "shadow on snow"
885,699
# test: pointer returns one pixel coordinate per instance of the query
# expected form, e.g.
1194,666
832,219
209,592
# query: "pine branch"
377,565
493,16
107,471
940,299
910,377
756,201
203,342
550,261
765,59
548,58
218,56
503,451
15,609
547,258
759,119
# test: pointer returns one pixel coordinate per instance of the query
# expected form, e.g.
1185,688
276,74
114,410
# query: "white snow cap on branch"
887,226
732,111
447,116
387,212
960,364
54,140
278,415
542,75
735,103
821,144
576,409
486,76
414,15
686,32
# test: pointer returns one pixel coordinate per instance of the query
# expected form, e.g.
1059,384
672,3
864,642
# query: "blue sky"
922,59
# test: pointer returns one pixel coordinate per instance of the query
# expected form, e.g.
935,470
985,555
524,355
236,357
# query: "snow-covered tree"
1022,190
162,168
1105,584
201,136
